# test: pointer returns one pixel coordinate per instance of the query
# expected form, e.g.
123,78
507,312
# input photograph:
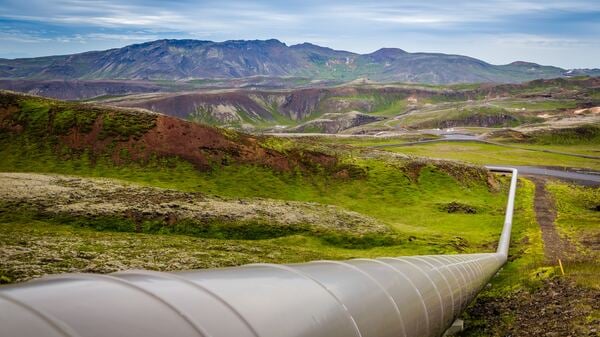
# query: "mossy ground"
387,193
34,245
402,196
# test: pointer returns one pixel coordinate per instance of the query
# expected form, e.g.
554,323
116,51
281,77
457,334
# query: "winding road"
580,176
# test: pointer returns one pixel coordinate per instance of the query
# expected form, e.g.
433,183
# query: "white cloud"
542,41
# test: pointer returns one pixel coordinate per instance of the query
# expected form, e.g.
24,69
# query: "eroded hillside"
390,108
72,130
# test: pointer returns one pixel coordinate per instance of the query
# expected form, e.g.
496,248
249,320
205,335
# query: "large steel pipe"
385,297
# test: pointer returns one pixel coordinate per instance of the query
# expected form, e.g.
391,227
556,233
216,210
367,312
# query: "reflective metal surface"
385,297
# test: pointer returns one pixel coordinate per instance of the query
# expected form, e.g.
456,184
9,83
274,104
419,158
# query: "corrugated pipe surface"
404,296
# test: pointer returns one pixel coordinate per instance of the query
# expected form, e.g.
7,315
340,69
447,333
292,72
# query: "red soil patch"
201,145
141,136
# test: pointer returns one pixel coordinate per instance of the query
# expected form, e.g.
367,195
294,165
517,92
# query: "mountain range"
196,59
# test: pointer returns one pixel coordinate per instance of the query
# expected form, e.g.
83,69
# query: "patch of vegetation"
214,228
537,104
487,116
578,219
313,128
279,144
204,115
489,154
34,115
45,118
457,207
585,134
125,124
54,248
67,119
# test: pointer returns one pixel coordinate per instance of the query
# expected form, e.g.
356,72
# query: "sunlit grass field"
489,154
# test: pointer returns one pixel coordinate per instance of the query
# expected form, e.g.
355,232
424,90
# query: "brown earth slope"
139,135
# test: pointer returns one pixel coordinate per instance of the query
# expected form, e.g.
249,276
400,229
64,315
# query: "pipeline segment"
384,297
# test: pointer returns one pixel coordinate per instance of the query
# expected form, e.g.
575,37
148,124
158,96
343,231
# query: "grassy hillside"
484,116
581,135
409,198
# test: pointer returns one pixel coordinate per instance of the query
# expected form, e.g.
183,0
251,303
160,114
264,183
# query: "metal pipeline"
403,296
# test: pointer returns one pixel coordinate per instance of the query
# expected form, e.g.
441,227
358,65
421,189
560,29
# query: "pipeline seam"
465,274
200,287
374,281
477,263
116,280
474,274
400,273
457,282
418,258
437,291
463,292
318,283
58,325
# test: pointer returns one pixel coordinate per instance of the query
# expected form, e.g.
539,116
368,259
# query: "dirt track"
555,246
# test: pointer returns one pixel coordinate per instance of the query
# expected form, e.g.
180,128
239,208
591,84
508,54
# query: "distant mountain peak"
523,64
387,54
312,46
255,42
388,51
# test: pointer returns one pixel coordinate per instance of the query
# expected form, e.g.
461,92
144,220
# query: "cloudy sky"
565,33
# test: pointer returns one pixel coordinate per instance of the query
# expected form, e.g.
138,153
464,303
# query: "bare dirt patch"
557,309
555,246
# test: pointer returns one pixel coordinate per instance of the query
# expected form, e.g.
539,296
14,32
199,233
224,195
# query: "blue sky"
556,32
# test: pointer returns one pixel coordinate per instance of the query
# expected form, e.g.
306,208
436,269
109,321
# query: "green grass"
481,153
583,149
411,208
386,193
536,105
581,135
369,140
392,108
579,220
54,248
464,116
382,104
526,267
41,117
